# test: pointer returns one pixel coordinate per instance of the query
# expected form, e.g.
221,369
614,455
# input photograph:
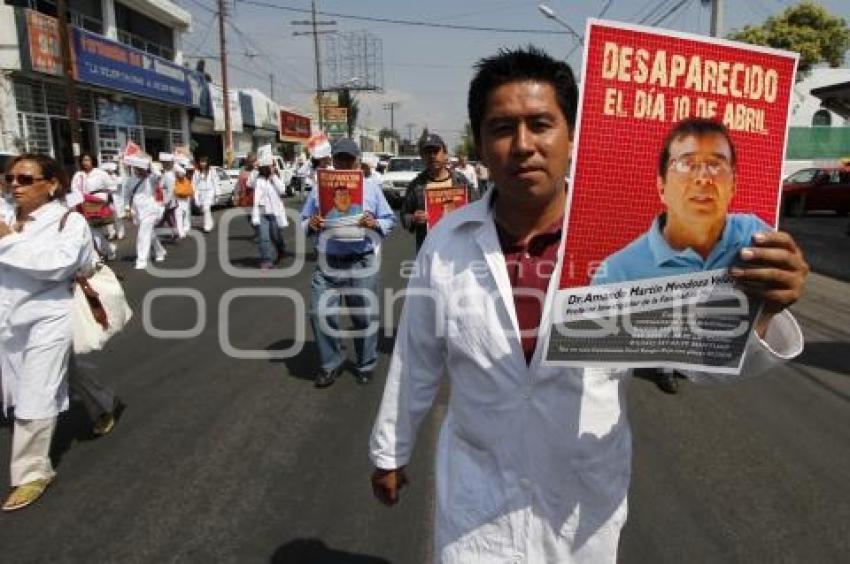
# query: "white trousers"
183,216
208,218
147,240
31,450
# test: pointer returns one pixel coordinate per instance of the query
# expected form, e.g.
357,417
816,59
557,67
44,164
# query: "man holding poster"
437,175
533,461
347,235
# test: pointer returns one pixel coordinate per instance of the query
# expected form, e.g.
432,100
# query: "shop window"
57,104
28,96
86,14
35,133
144,33
154,115
822,118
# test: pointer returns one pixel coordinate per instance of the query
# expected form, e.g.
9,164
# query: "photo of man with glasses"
696,184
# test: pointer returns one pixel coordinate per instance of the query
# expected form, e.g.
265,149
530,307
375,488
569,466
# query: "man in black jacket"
436,173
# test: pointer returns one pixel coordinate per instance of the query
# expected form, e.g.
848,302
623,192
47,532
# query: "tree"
347,100
807,28
422,138
466,146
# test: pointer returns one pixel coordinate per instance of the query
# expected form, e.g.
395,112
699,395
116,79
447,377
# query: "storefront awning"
835,97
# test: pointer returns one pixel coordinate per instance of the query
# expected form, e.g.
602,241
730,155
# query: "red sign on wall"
294,127
44,46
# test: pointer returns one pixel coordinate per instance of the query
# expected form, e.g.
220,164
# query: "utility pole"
228,130
716,18
70,81
271,84
314,23
409,127
391,106
318,62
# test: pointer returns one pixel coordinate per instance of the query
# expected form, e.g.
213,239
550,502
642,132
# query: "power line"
203,6
670,12
248,44
652,13
203,42
405,22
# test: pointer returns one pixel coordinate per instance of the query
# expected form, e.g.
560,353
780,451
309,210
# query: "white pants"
208,218
183,216
147,240
31,450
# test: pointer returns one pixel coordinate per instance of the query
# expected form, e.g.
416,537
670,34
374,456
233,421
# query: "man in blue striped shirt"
347,269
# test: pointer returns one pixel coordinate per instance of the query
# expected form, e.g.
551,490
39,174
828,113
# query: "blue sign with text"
104,62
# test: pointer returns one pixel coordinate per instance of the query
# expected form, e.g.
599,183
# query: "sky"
426,69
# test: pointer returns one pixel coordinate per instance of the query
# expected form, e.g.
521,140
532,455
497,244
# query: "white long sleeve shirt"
37,267
267,193
533,461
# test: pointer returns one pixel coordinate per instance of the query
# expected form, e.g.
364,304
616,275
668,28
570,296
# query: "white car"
400,172
225,187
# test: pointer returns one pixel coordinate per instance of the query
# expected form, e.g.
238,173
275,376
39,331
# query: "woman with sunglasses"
41,251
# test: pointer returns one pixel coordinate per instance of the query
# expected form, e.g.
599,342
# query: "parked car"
816,189
400,172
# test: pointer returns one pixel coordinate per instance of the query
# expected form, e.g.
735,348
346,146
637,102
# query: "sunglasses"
21,179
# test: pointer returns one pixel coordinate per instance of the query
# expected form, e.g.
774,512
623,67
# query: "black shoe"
325,379
667,382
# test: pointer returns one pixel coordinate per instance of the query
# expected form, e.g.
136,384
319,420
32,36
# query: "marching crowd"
55,233
533,459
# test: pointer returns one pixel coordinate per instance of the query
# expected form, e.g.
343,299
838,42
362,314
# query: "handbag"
183,188
99,308
96,211
99,311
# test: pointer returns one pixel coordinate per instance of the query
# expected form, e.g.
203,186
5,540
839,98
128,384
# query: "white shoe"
159,259
113,252
140,266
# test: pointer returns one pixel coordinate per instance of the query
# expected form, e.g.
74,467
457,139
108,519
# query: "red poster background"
329,180
436,198
614,197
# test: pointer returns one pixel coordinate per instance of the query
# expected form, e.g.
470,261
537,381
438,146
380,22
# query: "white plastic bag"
88,334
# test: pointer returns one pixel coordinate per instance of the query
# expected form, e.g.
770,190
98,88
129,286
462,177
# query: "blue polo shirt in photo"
650,256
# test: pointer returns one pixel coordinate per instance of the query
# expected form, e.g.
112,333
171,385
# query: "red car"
816,189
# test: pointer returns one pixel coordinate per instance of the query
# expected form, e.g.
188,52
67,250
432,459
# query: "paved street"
220,459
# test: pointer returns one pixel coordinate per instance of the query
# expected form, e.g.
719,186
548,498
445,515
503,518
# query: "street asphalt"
225,459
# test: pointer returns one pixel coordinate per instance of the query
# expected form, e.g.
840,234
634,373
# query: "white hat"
370,159
139,160
109,166
166,158
319,146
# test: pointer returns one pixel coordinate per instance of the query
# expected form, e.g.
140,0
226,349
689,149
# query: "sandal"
26,494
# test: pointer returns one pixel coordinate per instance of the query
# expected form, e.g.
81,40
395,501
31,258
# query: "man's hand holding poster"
341,202
442,200
679,147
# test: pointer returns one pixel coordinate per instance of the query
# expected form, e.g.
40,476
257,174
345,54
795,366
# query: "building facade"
130,80
817,135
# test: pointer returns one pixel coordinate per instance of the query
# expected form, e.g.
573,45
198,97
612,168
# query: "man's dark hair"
50,170
697,127
519,65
